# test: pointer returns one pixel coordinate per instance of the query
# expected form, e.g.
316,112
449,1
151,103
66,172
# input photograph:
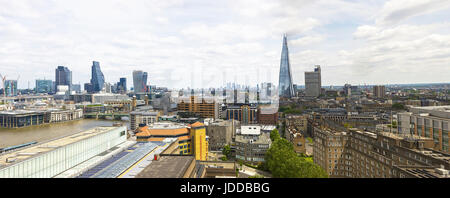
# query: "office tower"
140,81
63,76
122,86
379,91
97,80
10,87
44,86
313,82
285,82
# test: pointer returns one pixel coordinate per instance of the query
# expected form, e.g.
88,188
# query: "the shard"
285,87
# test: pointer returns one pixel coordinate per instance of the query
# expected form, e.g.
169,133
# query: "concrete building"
21,118
192,139
379,91
145,117
51,158
313,82
220,133
431,122
57,115
251,144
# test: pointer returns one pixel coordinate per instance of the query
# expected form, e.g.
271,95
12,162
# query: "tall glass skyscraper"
44,86
10,88
285,87
122,86
140,81
63,76
97,80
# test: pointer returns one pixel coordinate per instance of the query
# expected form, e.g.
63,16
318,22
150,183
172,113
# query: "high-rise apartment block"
379,91
313,82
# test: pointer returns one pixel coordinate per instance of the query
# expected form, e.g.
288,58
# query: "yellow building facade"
199,141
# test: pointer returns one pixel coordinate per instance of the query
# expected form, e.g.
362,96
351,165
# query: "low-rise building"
267,115
251,144
220,133
360,154
192,139
51,158
430,122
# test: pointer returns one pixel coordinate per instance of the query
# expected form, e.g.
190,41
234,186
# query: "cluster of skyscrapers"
63,81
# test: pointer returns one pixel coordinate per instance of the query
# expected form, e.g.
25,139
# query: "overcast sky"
204,43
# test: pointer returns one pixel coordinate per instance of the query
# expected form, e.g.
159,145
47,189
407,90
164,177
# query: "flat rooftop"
35,150
167,167
422,172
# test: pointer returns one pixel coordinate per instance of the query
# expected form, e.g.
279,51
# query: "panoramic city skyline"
198,43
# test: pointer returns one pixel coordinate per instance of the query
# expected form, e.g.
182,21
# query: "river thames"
11,137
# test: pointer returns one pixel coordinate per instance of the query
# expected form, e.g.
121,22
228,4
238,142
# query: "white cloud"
394,11
172,39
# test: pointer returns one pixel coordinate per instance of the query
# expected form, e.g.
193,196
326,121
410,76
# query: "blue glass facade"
11,87
285,88
140,81
63,76
122,85
44,86
97,80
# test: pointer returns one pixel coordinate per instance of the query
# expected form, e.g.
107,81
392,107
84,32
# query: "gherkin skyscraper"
285,87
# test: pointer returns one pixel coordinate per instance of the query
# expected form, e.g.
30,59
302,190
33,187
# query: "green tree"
226,151
398,106
274,135
283,162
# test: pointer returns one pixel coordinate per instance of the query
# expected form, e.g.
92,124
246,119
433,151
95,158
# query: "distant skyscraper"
63,76
122,86
76,88
44,86
88,87
11,87
97,80
140,81
285,84
313,82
